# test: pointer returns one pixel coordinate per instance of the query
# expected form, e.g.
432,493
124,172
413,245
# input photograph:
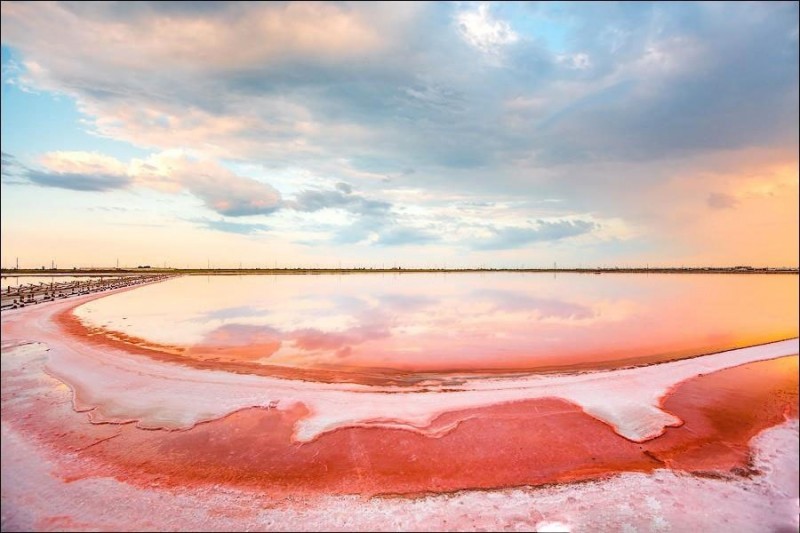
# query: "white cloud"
484,32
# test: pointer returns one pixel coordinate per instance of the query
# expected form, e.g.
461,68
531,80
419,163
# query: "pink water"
456,323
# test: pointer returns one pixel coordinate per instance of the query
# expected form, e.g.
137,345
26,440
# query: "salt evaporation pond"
450,323
579,402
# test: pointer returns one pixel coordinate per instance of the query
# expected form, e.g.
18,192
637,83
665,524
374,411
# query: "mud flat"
101,437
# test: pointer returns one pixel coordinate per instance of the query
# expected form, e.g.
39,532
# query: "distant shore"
394,270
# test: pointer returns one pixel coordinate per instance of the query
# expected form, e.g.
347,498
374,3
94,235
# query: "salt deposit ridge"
115,387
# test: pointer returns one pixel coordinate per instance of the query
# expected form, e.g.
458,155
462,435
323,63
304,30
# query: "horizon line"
147,268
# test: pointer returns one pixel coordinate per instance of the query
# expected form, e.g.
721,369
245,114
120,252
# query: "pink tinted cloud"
220,189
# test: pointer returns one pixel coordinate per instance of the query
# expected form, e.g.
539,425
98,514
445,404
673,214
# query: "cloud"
515,237
600,106
344,187
399,236
232,195
311,339
544,307
239,228
405,302
78,182
392,86
718,200
484,32
383,231
376,222
80,171
7,160
578,61
676,88
220,189
341,197
240,342
11,170
227,37
83,163
77,171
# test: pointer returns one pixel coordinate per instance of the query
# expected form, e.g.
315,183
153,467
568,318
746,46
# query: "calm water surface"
498,322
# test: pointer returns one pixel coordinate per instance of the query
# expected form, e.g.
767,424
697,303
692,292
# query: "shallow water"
499,322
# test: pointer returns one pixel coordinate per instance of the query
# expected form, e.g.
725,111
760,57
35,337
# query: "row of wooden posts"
14,297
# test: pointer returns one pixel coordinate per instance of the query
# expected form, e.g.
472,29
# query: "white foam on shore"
117,386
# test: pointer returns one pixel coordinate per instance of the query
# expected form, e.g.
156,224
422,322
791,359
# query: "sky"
411,134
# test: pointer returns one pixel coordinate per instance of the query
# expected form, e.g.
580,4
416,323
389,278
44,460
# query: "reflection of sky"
543,307
461,321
